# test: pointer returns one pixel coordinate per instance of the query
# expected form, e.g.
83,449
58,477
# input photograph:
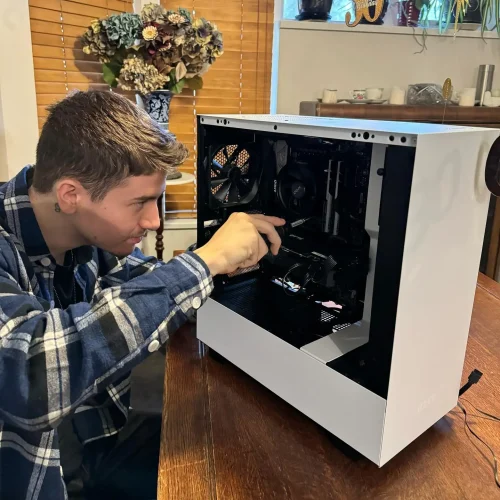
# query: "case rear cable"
474,378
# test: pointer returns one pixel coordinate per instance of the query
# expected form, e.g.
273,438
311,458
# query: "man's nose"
151,219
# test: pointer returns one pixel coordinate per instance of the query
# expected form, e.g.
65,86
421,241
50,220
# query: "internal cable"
295,266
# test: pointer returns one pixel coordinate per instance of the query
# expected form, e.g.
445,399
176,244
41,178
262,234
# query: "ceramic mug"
374,93
358,94
329,96
467,97
397,96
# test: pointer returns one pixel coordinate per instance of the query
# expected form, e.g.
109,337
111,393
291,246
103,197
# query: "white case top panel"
344,124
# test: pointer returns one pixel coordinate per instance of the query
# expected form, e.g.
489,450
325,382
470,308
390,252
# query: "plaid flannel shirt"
56,362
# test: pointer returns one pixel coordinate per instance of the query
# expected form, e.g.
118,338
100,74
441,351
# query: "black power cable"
489,416
494,465
474,378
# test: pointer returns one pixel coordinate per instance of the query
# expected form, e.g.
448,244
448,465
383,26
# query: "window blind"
238,82
59,62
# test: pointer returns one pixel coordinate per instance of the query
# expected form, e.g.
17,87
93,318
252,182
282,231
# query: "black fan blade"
244,188
295,174
224,165
217,182
233,193
234,155
217,168
224,189
286,186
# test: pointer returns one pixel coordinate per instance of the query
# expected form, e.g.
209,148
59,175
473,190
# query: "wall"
18,118
313,56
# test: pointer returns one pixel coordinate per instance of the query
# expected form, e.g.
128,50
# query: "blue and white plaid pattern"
77,361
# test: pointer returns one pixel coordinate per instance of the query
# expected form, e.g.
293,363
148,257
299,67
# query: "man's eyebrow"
146,198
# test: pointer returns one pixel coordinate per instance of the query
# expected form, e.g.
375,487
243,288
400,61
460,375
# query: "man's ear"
70,194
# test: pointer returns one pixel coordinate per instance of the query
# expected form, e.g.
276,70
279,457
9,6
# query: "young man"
79,304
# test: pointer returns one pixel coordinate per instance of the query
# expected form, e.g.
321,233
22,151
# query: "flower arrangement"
157,49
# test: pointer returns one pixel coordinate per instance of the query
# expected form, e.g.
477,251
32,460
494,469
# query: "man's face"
120,221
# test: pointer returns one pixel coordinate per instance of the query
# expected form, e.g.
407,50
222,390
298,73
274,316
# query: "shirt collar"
18,214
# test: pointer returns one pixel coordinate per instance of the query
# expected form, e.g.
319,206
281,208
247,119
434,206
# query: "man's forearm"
53,361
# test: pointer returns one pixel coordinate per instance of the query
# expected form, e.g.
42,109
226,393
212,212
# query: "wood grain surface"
226,437
455,115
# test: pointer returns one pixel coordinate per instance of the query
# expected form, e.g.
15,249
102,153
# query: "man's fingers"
275,221
263,249
267,228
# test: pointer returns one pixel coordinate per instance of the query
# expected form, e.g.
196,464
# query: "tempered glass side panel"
290,318
370,364
328,190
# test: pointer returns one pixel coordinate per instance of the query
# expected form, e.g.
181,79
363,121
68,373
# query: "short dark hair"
100,138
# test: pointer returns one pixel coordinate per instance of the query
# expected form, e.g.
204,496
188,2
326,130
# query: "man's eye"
140,203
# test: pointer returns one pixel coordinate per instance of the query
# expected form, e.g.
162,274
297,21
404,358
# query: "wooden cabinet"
451,115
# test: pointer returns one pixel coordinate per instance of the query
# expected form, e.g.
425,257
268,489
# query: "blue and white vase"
157,105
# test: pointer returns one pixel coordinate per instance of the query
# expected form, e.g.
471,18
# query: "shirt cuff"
197,294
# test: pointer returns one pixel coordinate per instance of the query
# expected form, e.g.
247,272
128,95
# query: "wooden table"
227,437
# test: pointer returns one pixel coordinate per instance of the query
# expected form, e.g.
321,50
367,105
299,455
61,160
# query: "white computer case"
444,236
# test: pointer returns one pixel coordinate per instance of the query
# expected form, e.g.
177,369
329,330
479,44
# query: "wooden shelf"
453,115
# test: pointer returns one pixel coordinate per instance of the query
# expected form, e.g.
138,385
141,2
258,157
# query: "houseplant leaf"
195,83
110,72
177,88
180,71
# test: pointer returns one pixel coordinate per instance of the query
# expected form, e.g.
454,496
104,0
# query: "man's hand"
239,244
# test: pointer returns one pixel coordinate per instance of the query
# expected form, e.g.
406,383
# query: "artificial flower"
175,18
153,13
149,33
158,49
138,75
122,29
96,42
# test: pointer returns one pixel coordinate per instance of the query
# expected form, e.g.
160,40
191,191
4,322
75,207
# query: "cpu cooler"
296,189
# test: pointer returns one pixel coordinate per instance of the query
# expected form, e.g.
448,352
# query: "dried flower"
162,40
153,13
149,33
175,18
179,18
203,31
165,47
96,42
95,25
179,40
122,29
158,49
140,76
